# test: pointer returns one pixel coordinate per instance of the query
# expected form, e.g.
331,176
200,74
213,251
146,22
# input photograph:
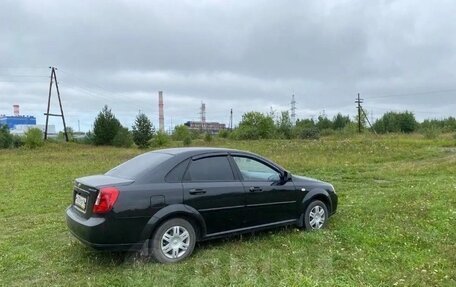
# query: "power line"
413,94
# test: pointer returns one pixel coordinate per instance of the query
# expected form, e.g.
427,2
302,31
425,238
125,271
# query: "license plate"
80,202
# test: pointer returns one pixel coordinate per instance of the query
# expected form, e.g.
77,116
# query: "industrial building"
16,119
209,127
13,121
19,124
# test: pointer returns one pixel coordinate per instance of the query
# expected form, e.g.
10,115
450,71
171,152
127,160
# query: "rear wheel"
316,215
173,241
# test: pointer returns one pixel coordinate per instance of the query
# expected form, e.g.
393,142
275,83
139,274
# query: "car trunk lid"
86,189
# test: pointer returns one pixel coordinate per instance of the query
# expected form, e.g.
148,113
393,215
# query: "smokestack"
16,110
161,117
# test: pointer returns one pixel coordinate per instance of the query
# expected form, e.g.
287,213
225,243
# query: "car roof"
190,151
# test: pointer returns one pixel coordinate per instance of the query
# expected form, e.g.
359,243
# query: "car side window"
215,168
253,170
177,173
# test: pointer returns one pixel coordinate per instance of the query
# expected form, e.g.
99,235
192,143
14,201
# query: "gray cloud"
246,55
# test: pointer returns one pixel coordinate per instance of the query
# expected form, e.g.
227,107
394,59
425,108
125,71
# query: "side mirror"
286,176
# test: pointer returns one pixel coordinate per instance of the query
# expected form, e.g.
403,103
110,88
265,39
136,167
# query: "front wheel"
173,241
316,215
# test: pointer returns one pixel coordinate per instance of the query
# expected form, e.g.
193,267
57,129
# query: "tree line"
107,129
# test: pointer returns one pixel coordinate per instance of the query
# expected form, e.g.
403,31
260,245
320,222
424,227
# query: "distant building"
13,121
210,127
22,129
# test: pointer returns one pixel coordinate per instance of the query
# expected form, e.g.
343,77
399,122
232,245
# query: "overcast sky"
245,55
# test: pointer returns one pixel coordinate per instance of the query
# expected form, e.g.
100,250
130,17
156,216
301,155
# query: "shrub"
123,138
142,131
105,127
6,139
223,133
181,132
18,141
311,133
160,139
34,138
208,137
187,141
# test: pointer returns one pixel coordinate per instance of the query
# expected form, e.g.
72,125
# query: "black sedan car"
169,199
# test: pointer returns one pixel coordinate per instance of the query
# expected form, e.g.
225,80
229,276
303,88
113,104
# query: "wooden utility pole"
359,101
47,114
231,119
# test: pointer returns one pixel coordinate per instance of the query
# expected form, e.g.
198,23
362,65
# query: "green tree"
181,132
396,122
255,125
284,125
105,127
324,123
340,121
123,138
6,139
143,131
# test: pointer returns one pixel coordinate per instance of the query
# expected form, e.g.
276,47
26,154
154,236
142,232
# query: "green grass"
396,223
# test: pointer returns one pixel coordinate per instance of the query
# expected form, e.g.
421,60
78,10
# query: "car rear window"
134,167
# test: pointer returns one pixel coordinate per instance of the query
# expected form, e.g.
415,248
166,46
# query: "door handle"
255,189
196,191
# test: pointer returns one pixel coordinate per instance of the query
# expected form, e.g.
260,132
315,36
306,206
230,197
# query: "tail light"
106,198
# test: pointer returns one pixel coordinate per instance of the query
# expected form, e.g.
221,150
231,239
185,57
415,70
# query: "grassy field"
396,223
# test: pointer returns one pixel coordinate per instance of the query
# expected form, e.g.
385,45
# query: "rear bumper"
98,233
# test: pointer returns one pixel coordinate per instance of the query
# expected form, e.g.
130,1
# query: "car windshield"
133,168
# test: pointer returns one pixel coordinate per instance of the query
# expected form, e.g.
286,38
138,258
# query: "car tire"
316,215
173,241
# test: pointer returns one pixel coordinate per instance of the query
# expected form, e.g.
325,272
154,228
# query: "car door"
268,199
215,191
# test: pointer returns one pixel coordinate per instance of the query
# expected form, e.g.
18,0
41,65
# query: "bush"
223,133
187,141
34,138
142,131
105,127
6,139
18,141
123,138
181,132
160,139
311,133
208,137
327,132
